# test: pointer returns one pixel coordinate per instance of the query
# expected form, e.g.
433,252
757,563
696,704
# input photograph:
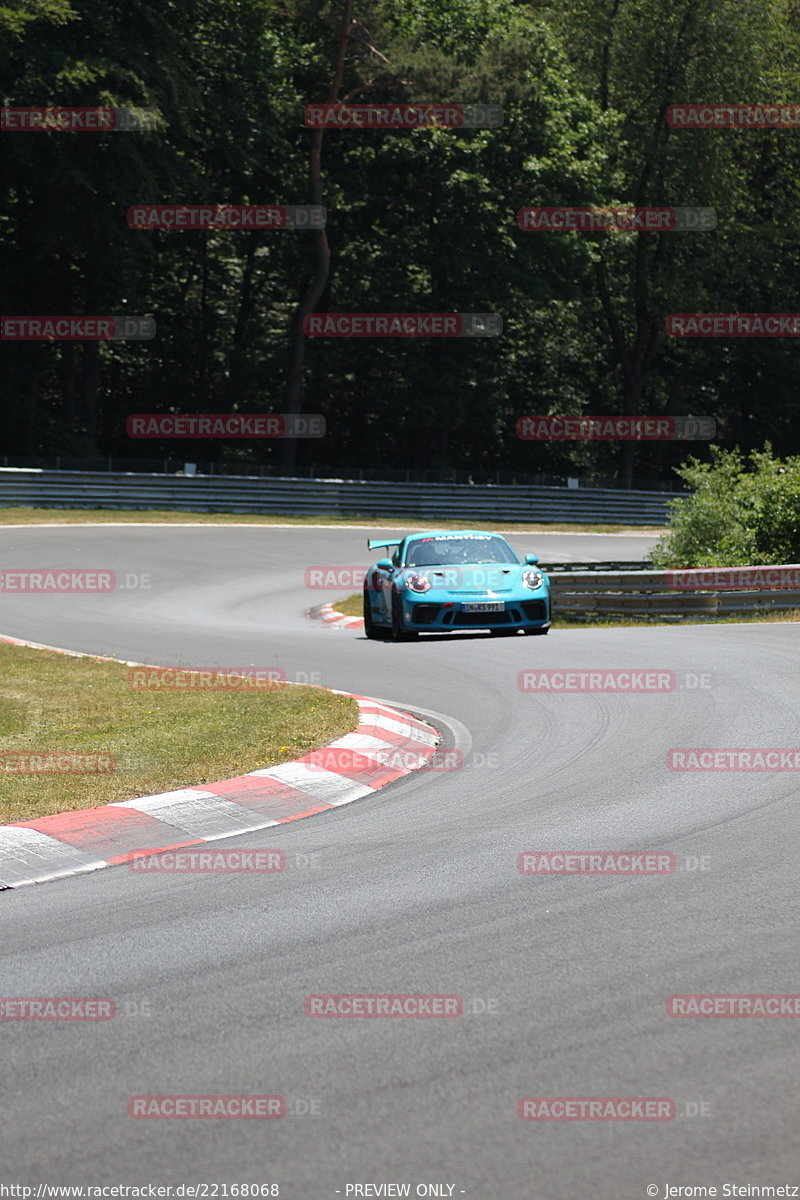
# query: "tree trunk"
636,357
322,252
68,386
89,392
231,385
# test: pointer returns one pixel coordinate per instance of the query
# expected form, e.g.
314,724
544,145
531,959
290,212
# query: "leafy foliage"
742,512
418,220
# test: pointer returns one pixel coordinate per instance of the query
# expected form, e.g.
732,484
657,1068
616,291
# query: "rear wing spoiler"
374,545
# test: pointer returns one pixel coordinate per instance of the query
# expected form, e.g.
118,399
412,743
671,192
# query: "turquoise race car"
443,581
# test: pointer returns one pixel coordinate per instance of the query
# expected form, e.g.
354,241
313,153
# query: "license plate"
486,606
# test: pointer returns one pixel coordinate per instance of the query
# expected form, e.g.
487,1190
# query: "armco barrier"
606,567
423,502
647,593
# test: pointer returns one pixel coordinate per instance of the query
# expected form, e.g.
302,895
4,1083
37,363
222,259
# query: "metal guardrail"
634,589
424,502
646,593
483,476
573,567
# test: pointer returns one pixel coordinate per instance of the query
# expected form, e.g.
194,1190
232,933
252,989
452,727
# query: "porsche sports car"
441,581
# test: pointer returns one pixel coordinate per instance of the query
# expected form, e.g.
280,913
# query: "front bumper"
433,614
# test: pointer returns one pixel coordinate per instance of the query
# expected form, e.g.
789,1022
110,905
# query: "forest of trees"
417,221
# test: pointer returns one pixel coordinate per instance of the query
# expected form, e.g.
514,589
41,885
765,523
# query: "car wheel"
537,632
370,628
504,632
399,631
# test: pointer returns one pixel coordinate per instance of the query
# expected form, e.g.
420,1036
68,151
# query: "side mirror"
531,559
384,564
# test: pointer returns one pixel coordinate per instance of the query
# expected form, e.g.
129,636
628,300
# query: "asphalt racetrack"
564,979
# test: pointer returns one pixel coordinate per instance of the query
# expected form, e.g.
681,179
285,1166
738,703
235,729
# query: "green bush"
743,512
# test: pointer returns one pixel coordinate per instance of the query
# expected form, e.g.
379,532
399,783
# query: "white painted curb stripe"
28,856
201,814
328,615
404,729
381,752
322,785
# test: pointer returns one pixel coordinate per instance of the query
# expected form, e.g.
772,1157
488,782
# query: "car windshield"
456,549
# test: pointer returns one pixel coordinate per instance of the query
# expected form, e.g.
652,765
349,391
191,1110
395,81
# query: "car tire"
399,631
504,632
370,628
537,632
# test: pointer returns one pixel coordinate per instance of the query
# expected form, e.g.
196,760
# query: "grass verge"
352,607
772,616
101,516
159,740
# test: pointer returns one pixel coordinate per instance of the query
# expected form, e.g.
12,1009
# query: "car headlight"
418,583
533,579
